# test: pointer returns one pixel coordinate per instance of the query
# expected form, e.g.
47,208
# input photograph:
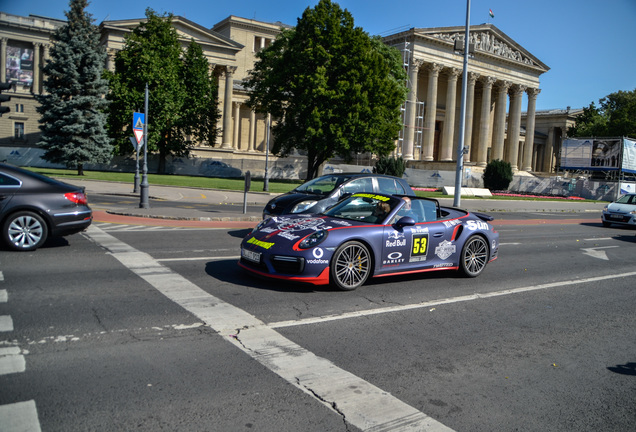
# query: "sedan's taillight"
76,197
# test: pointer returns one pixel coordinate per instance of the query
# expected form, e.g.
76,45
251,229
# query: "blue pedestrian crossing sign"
138,125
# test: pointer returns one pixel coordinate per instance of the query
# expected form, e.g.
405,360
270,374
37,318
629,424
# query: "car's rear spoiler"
484,216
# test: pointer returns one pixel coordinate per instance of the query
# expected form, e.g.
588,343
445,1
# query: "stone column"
548,151
529,146
499,135
3,59
237,126
411,109
431,110
36,68
470,111
227,107
514,125
484,121
446,153
252,139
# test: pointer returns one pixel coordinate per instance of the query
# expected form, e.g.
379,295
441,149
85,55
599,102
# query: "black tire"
350,266
24,231
474,257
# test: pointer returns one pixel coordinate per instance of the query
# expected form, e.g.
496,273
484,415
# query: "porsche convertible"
370,235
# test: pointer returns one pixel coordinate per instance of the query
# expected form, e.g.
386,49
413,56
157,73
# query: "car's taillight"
76,197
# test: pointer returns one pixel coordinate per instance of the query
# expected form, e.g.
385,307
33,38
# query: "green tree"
201,113
614,117
73,122
182,94
497,175
333,89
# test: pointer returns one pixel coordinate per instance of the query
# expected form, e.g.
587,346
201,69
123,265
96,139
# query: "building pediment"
185,29
487,40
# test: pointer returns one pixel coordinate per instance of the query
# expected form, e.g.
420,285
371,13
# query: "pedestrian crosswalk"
18,416
110,227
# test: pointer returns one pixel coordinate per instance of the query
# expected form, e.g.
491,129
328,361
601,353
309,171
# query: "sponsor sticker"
393,258
445,249
372,196
475,225
264,245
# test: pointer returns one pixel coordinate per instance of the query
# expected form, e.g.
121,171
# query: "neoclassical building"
497,125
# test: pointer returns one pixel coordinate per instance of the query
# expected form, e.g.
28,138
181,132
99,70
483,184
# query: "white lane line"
11,361
19,417
1,276
4,296
390,309
6,323
218,258
359,402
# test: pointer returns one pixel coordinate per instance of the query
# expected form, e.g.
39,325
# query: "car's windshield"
627,199
322,185
366,207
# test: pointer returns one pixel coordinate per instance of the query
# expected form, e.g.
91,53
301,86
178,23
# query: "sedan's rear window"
8,181
390,186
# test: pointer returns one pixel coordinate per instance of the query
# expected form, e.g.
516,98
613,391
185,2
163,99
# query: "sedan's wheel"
474,256
350,266
24,231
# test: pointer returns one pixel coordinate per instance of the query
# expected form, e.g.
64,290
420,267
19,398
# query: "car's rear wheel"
350,266
474,256
24,231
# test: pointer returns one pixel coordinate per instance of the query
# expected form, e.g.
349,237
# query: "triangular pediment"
487,40
186,30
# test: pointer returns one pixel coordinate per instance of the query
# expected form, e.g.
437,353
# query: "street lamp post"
462,115
143,196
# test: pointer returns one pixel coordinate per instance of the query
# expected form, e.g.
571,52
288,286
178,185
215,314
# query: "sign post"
143,196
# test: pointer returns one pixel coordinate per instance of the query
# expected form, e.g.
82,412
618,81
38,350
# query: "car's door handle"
439,234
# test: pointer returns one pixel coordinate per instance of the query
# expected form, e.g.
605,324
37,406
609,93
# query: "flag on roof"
492,15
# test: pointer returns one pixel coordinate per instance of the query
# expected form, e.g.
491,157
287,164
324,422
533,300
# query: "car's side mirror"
405,221
344,196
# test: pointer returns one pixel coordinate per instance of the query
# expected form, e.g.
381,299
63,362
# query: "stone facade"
500,72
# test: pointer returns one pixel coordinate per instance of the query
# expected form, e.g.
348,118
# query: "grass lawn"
275,186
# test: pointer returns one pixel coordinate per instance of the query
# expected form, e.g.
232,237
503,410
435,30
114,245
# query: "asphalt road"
156,328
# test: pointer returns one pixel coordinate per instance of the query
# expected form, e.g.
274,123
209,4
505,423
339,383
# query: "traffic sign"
138,126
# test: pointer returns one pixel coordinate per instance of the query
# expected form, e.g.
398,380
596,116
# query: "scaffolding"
414,104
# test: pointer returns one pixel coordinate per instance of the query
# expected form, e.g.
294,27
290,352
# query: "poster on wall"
629,155
591,154
19,65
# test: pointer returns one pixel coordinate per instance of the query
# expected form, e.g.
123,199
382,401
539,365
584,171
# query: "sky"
588,45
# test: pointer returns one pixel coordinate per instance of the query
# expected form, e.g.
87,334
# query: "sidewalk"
224,206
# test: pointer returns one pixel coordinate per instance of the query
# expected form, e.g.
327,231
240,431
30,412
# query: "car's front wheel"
24,231
350,266
474,256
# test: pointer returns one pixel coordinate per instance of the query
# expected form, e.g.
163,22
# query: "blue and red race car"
370,235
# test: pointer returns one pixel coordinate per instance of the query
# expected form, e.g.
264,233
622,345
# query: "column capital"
488,81
417,63
229,70
533,92
453,72
434,67
517,89
473,77
504,86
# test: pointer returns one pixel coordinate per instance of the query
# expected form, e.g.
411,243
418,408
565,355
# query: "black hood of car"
283,204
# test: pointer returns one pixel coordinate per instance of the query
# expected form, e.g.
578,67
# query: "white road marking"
597,252
217,258
600,238
4,296
19,417
360,403
509,244
6,323
477,296
1,276
11,361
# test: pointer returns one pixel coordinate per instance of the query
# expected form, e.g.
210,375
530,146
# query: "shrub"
390,166
497,175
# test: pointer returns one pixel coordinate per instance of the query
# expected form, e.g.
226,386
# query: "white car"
621,212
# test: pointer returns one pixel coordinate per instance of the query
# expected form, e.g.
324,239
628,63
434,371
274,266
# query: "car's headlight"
313,240
303,206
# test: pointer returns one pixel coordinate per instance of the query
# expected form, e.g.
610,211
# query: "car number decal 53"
419,247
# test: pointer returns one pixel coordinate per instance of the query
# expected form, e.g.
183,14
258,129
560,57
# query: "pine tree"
73,121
